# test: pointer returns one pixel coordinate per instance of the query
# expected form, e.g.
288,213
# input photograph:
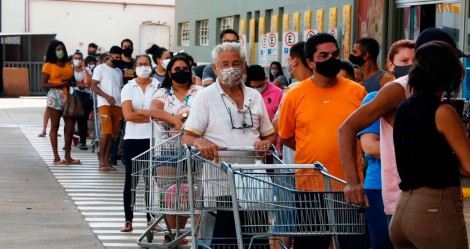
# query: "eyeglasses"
224,41
244,124
142,65
177,69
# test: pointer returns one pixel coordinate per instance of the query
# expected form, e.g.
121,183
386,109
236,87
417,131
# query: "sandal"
61,162
127,227
74,162
156,228
42,135
105,168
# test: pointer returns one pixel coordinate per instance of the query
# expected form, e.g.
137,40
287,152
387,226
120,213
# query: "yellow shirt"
58,74
313,115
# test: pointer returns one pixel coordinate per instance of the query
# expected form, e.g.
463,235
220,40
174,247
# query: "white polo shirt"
110,82
140,100
210,117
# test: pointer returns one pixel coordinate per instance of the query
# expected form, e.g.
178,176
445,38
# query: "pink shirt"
390,178
272,97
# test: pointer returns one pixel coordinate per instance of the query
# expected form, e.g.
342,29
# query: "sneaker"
82,147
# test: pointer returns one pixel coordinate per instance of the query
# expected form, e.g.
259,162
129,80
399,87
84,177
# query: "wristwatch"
185,114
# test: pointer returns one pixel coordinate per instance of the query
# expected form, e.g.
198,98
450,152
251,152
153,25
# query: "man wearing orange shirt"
310,116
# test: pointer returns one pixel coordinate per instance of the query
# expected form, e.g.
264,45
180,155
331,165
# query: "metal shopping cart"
267,204
211,192
160,185
97,125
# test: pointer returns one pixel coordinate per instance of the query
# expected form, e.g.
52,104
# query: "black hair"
78,52
127,40
166,83
436,68
156,52
50,54
369,45
254,72
89,59
316,39
189,57
348,67
279,67
93,45
227,31
297,51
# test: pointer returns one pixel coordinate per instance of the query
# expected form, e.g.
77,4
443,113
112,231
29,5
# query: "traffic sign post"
334,32
262,50
289,39
308,33
272,47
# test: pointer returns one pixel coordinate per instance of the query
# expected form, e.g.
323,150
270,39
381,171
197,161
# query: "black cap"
115,50
437,34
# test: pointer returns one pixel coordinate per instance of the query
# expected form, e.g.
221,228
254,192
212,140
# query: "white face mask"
231,76
261,89
77,62
143,71
165,63
91,66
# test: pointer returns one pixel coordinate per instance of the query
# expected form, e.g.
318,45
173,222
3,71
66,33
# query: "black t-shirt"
424,157
128,71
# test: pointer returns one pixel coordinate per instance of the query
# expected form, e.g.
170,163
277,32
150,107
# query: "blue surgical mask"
289,71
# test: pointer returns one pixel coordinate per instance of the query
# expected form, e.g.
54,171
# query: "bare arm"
97,90
386,101
275,125
157,112
449,124
86,76
288,142
131,115
386,78
371,144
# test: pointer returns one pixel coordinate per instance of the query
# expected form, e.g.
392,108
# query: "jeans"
82,122
377,220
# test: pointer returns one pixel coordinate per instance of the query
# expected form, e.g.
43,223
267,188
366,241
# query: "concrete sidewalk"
35,210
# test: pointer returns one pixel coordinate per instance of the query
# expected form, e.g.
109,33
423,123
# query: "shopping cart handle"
319,166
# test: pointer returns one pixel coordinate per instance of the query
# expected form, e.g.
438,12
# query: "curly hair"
51,57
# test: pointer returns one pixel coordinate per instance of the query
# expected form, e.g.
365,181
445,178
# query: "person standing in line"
82,76
92,49
272,95
107,82
432,151
347,70
276,75
90,62
364,54
136,97
400,58
381,107
57,76
208,75
160,56
310,115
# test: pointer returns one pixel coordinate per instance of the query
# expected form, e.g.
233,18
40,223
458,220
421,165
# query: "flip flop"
41,135
104,168
74,162
61,162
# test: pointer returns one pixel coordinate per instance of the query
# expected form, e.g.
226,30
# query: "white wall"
13,16
77,23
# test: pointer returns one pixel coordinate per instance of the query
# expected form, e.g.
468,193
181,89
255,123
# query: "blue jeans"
377,220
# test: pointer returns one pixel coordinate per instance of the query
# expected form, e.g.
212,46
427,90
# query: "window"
204,32
185,34
226,23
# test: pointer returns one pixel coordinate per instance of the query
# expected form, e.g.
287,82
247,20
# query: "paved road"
46,206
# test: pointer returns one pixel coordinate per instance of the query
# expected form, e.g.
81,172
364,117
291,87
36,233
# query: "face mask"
77,62
165,63
92,66
357,60
261,89
400,71
60,54
91,54
329,68
127,52
181,77
117,63
274,72
289,71
143,72
230,76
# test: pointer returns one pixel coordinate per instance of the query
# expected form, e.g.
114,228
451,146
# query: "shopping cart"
97,125
160,185
211,192
267,204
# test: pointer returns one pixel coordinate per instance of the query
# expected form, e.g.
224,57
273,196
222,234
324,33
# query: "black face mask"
118,63
329,68
181,77
357,60
127,52
400,71
91,54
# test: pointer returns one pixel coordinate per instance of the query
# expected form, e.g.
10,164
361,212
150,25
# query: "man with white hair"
227,113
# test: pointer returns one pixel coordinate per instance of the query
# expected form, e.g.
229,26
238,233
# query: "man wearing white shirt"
107,82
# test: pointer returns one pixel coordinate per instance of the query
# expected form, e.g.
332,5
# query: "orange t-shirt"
58,74
313,115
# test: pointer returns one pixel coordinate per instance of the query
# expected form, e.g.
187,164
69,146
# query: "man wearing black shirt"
128,62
